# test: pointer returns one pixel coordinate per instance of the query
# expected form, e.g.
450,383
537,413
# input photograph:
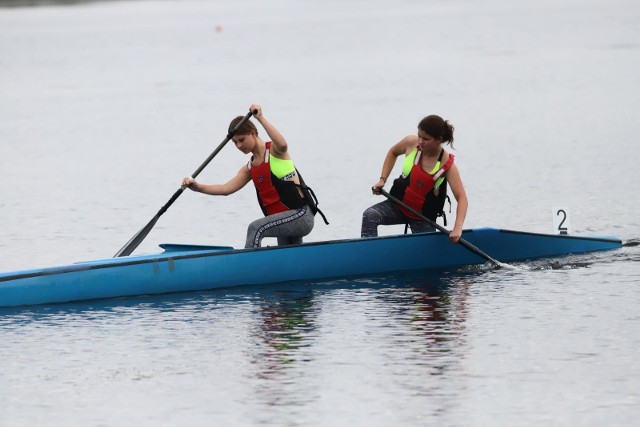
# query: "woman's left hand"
190,183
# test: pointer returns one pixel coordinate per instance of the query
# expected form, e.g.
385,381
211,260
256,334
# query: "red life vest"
420,183
269,195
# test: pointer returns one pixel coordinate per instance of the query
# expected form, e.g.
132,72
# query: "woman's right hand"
378,186
256,110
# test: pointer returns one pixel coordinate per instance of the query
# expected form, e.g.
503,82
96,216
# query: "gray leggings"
388,213
288,226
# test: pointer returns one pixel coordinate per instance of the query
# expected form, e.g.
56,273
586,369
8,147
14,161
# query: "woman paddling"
426,170
288,205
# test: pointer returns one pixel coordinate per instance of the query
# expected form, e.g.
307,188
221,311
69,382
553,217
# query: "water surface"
105,106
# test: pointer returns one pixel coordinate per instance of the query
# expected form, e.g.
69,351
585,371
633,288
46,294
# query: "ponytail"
437,127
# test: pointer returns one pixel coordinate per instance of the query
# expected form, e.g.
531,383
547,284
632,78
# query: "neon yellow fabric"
408,164
279,167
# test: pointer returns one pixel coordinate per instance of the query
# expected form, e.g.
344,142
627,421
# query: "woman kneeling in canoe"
426,170
286,202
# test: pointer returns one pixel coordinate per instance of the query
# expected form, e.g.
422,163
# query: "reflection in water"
286,318
424,350
285,323
438,315
288,344
429,313
377,326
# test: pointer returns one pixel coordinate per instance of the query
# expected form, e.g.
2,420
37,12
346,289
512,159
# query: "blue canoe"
182,268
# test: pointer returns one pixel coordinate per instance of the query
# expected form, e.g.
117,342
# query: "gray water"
105,106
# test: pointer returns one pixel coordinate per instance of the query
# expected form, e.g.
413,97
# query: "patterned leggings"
388,213
288,226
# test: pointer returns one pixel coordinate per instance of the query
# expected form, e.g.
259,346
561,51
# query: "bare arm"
279,143
230,187
390,160
455,183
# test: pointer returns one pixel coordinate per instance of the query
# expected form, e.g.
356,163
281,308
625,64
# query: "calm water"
105,106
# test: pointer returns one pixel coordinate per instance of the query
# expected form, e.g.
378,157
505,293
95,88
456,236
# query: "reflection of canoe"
189,267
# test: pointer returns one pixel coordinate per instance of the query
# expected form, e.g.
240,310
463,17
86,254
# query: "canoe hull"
183,268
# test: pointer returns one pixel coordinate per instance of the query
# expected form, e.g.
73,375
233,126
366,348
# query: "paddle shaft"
462,242
135,241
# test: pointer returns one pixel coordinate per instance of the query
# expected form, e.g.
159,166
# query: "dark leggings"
388,213
288,227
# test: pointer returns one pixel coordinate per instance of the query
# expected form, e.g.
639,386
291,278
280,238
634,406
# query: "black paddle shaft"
462,242
135,241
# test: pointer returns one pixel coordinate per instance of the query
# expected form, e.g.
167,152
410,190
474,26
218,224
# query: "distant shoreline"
30,3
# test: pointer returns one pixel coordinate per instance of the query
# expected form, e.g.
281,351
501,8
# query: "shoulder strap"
311,197
444,167
418,156
267,151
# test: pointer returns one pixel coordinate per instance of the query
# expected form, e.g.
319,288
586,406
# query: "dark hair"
437,127
246,128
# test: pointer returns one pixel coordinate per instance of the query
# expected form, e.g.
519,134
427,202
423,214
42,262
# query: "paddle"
462,242
140,235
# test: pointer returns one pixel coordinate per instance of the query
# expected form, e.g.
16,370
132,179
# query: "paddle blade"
137,239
